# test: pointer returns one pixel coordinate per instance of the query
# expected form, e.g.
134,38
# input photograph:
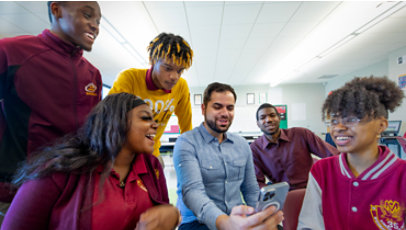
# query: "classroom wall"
395,70
388,67
303,102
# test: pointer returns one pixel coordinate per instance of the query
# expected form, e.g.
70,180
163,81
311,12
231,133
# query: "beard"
215,128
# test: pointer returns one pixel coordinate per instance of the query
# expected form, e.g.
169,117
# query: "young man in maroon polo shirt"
47,87
285,154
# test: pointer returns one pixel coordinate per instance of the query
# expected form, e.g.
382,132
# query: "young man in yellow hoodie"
161,86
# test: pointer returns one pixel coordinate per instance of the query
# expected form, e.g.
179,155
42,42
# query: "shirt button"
211,167
226,182
355,184
354,209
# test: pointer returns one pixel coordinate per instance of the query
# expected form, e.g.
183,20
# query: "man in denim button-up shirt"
214,168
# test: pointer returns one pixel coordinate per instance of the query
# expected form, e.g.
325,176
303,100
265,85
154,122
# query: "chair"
292,207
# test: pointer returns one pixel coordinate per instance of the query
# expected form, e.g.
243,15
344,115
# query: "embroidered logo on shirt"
388,215
91,89
141,185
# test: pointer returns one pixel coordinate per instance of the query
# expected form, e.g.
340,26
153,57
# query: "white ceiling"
240,43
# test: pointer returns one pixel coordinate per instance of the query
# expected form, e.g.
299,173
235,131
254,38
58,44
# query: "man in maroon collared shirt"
285,154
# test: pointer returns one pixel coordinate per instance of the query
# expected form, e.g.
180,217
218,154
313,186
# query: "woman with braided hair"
365,186
161,86
103,177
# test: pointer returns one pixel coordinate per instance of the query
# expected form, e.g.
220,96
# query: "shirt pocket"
211,169
236,170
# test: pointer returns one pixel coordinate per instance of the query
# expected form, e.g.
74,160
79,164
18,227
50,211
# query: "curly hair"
97,142
370,97
172,47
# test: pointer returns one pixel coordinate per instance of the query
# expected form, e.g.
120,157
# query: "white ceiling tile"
11,7
40,7
204,36
167,13
228,47
313,11
111,58
131,19
267,29
29,23
241,12
277,11
204,13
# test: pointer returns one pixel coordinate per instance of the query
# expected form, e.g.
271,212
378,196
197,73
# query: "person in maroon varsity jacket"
364,187
46,87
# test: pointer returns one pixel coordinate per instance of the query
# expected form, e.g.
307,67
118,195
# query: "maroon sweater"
46,91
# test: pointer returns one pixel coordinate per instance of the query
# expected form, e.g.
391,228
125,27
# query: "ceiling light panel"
344,20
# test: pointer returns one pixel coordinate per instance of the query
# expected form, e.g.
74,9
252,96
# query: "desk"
166,147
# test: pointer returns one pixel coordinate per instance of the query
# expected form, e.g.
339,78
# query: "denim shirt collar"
207,137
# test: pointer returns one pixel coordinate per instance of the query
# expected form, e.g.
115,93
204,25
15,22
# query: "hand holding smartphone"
274,194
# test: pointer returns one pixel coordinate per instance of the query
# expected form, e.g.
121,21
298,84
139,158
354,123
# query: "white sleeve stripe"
342,167
377,174
311,214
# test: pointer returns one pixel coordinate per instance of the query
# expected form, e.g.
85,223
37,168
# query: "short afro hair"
267,105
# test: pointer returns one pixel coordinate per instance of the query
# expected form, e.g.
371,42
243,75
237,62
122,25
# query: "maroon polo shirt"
290,158
121,207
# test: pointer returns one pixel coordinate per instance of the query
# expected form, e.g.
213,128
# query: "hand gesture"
241,218
160,217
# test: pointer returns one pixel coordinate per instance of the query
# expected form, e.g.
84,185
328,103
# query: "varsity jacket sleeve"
125,82
311,215
184,109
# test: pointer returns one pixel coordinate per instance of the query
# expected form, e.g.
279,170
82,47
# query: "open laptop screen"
393,128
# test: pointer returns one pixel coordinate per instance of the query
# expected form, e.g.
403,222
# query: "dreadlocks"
171,47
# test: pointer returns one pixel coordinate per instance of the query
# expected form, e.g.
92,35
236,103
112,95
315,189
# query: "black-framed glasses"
350,121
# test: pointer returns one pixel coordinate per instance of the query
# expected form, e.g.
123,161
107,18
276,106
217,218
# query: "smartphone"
274,194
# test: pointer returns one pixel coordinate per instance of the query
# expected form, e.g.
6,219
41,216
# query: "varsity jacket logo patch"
388,215
91,89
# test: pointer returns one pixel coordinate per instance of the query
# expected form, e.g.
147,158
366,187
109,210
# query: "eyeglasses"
350,121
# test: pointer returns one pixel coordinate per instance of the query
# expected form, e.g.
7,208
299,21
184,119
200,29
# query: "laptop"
393,129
